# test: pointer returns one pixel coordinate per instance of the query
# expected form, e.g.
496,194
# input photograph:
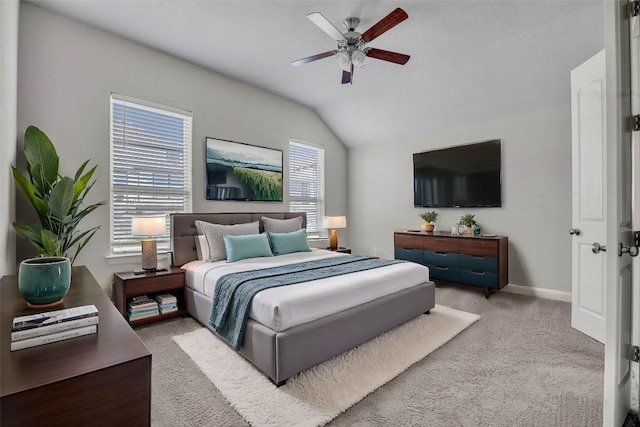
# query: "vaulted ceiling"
471,61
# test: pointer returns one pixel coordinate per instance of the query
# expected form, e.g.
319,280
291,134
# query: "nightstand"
341,249
127,285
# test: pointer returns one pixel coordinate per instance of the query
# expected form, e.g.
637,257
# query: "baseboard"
538,292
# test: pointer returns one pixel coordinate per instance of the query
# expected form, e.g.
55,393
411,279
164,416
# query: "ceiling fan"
352,46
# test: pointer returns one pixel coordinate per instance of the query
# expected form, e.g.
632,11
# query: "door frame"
635,148
616,401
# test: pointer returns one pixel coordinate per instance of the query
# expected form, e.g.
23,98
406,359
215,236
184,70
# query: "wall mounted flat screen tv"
237,171
460,176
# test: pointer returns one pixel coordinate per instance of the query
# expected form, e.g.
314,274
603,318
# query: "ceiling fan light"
344,61
358,57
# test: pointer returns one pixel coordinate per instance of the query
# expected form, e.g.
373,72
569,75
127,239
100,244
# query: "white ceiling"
471,61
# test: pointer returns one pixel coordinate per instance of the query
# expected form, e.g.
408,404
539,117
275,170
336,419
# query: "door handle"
631,250
597,247
575,231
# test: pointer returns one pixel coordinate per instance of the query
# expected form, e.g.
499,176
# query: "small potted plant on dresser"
429,218
468,225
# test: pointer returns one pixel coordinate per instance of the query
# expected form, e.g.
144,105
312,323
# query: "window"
306,183
150,167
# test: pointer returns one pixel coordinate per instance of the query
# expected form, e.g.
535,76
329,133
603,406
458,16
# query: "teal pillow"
288,243
246,246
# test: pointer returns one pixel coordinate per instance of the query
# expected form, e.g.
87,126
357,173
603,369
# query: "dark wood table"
102,379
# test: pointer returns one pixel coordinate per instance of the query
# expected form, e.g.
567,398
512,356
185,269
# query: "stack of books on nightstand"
141,308
168,303
44,328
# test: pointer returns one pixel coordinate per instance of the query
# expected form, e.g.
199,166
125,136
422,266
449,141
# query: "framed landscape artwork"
237,171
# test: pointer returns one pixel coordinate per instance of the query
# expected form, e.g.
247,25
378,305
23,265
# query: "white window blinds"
306,183
150,168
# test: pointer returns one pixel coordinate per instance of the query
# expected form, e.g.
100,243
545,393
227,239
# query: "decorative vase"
43,282
427,226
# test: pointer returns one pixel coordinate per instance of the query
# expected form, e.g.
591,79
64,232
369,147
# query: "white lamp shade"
148,225
335,222
344,60
358,57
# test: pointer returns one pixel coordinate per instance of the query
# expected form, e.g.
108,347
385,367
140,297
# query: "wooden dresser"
479,261
102,379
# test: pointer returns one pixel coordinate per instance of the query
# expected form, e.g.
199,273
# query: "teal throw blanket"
234,291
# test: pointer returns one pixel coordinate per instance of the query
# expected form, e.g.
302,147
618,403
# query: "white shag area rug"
318,395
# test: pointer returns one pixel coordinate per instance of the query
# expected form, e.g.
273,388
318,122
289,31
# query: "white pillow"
214,232
274,225
202,247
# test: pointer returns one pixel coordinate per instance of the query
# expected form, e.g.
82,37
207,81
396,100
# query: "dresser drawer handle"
477,272
442,267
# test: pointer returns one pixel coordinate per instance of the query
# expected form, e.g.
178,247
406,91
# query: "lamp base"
333,240
149,254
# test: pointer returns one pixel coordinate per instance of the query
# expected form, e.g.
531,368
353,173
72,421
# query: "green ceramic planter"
43,281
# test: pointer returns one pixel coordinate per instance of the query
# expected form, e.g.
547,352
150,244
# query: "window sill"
133,258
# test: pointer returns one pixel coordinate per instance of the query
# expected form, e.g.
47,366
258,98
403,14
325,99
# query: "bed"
282,349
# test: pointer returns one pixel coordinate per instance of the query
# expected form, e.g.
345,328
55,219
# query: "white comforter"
284,307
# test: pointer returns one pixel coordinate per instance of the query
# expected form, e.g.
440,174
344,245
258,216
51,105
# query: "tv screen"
461,176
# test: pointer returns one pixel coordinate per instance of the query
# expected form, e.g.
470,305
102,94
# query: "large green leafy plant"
57,200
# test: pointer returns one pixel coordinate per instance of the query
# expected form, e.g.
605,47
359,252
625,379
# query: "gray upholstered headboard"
183,228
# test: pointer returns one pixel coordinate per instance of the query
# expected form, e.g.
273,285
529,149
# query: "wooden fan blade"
385,24
312,58
385,55
326,26
346,77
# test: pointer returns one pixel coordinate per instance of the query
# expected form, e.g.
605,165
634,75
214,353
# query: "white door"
589,196
619,206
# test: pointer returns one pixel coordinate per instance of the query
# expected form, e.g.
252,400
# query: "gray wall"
67,72
9,13
536,189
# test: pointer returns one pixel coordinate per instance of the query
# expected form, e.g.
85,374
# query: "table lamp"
334,222
149,226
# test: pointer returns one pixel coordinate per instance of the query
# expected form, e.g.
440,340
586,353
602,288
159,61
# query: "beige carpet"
521,365
318,395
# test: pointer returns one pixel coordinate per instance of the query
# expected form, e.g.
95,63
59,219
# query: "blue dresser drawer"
447,259
481,278
413,255
481,263
444,272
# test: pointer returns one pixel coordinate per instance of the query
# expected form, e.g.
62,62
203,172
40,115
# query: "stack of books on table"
44,328
167,302
141,308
